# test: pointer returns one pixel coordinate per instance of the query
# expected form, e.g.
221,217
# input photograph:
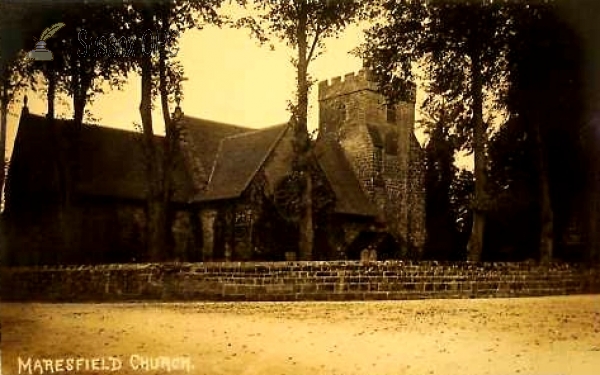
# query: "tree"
461,46
162,76
13,67
86,51
12,80
545,102
513,223
461,194
303,25
440,172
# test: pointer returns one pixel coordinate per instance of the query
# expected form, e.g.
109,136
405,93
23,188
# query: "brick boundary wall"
291,281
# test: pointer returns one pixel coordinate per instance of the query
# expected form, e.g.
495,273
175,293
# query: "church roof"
375,135
350,198
205,136
238,159
111,162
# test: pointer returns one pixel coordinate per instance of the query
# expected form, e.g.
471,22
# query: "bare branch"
315,42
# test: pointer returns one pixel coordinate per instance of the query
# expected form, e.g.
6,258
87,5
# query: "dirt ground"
550,336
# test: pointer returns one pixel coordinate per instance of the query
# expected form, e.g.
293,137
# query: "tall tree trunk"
170,134
592,222
81,80
154,233
78,112
80,100
76,80
51,94
546,212
593,210
62,168
81,83
475,245
4,99
301,137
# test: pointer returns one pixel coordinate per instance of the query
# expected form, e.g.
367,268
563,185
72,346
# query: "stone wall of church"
91,232
185,244
31,238
88,233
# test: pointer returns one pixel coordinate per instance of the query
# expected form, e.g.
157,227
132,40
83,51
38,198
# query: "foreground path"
550,336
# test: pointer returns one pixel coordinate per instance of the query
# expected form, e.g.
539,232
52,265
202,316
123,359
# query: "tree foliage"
14,68
84,61
303,25
461,49
514,222
439,175
537,157
161,76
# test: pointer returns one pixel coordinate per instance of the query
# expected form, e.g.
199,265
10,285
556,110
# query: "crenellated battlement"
353,82
346,84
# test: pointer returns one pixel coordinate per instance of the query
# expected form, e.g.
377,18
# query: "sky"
230,79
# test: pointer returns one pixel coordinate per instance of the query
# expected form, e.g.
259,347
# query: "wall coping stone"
186,267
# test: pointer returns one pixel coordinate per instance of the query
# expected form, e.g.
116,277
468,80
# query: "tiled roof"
238,159
350,198
111,162
205,136
375,135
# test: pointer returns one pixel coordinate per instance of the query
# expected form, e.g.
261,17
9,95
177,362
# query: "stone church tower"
379,142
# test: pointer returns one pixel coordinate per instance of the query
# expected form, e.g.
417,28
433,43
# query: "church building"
232,187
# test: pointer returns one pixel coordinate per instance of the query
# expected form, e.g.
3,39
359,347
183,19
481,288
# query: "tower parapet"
353,82
349,83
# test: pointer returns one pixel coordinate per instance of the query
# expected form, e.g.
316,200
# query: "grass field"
550,336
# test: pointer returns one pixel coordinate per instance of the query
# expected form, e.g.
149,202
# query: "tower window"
343,112
391,144
391,113
378,160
